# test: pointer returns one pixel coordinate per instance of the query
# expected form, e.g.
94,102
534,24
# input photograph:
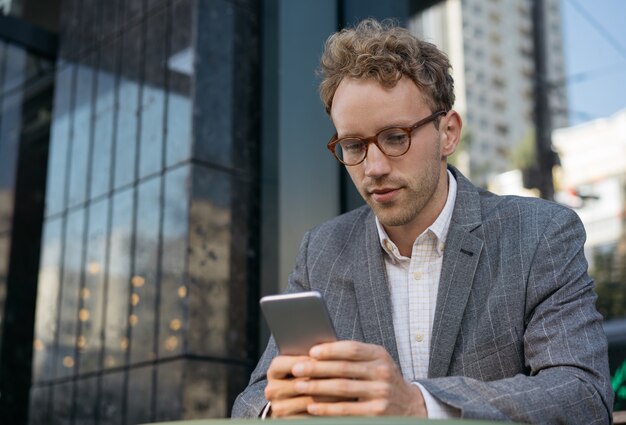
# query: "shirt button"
419,337
417,275
388,245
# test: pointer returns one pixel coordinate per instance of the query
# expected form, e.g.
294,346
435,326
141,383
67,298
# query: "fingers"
280,381
281,366
348,350
364,408
290,407
348,389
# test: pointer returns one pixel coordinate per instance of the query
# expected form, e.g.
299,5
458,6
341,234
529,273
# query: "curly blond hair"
386,52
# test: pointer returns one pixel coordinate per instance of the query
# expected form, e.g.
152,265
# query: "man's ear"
450,128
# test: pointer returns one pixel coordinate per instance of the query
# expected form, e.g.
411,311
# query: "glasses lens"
394,141
350,151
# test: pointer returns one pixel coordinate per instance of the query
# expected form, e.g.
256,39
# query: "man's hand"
363,375
286,401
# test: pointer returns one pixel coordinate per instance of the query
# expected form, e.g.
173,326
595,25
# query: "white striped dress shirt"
413,284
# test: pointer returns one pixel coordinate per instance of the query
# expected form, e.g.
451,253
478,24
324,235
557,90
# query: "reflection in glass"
179,137
153,97
140,388
92,294
209,261
151,141
168,395
111,399
117,307
146,267
80,145
10,128
70,286
62,397
173,269
128,98
103,125
84,411
4,267
180,70
15,71
38,405
47,298
59,139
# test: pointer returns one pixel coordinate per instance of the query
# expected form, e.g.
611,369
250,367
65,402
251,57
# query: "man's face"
409,190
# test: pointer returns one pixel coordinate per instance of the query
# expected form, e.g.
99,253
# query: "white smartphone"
298,321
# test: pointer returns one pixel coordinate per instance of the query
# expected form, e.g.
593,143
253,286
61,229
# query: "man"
448,301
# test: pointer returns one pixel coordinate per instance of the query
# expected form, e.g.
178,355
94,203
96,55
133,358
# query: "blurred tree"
619,387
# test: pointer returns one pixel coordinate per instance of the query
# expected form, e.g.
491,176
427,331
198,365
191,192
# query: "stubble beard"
412,201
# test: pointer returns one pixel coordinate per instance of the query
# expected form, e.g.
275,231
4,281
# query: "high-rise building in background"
490,45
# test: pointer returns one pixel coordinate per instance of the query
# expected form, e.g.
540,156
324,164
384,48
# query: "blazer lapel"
372,291
460,261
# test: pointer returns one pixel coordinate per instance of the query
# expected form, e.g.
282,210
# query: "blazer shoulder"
525,208
343,227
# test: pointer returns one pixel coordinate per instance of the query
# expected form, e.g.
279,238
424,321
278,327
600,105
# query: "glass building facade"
160,161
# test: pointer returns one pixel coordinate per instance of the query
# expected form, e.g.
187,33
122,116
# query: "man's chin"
389,216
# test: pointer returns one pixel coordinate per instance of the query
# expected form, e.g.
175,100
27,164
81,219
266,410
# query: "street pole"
546,157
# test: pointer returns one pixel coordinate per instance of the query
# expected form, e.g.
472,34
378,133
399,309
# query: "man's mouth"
385,194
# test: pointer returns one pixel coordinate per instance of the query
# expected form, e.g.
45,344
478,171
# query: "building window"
495,17
502,129
497,60
498,82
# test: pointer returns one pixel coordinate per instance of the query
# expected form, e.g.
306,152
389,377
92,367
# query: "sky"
596,67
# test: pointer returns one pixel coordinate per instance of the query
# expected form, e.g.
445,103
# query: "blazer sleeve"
251,402
565,349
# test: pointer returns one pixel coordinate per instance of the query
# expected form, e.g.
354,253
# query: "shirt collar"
439,229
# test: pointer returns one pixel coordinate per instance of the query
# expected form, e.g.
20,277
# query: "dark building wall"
144,308
150,276
25,104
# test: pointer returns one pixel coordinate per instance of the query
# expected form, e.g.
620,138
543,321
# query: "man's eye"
352,146
395,138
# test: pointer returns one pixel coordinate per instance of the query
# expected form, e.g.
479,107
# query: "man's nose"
376,162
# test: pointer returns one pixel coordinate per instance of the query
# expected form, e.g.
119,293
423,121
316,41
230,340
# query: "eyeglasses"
392,141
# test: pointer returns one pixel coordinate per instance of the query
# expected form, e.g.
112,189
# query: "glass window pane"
180,70
140,388
103,123
81,134
173,265
111,399
15,72
144,282
47,299
128,97
59,139
153,97
72,265
92,293
117,306
10,126
5,240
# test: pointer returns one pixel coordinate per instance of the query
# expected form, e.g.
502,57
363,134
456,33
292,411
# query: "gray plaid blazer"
516,334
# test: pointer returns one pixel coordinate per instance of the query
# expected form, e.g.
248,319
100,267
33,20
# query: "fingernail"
312,409
300,386
315,352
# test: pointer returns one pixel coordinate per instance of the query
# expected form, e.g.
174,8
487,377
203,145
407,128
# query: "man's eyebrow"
396,125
